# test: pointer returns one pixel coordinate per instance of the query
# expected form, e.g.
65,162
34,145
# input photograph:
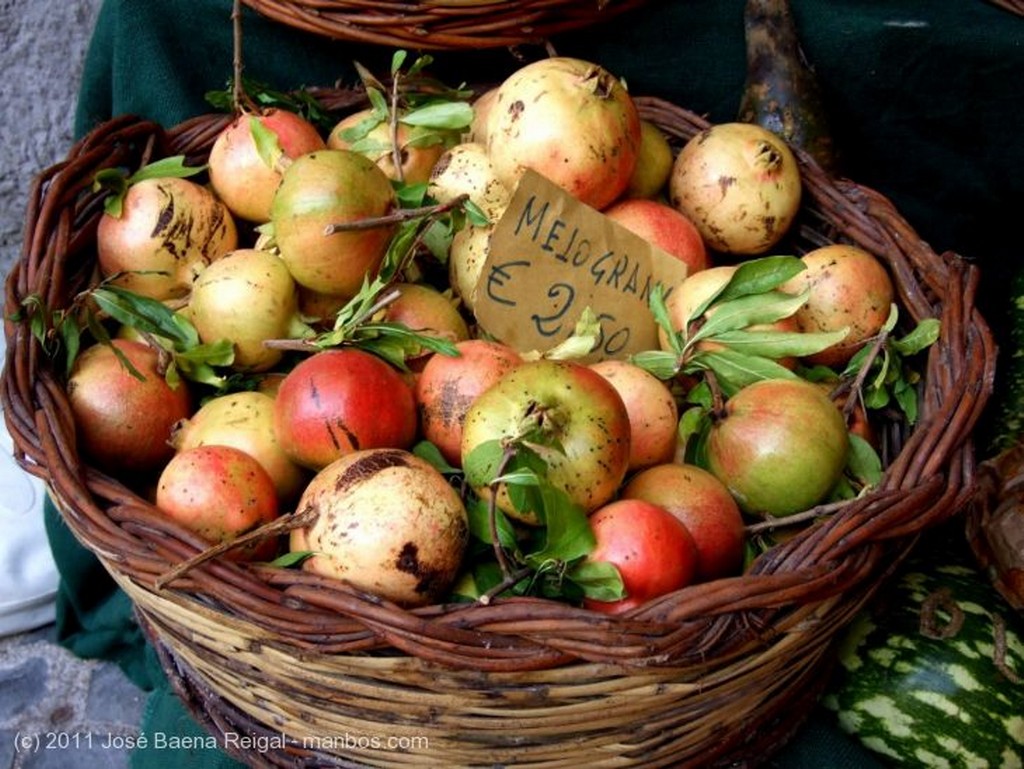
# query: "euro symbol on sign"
499,277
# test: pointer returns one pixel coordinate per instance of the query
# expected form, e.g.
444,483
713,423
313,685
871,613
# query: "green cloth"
923,101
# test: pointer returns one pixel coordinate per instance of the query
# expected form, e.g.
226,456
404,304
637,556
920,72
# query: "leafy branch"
725,334
117,181
358,323
548,559
881,371
183,353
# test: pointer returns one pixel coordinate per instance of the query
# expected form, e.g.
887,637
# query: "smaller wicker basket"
995,523
441,24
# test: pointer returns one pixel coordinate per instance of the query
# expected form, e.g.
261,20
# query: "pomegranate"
704,505
124,422
571,405
247,296
662,226
429,312
849,288
324,188
244,420
245,173
779,447
168,231
569,120
466,169
653,414
387,522
653,163
694,291
740,184
220,492
417,158
342,400
448,385
466,258
651,548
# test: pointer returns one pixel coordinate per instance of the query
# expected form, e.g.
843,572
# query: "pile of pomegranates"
330,277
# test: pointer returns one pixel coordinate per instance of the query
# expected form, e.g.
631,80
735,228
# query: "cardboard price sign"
551,257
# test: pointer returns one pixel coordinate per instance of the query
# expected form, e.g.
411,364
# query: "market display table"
924,106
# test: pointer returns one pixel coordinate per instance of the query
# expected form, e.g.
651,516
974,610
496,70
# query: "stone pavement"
58,711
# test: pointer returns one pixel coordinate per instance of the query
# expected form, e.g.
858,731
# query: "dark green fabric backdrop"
923,98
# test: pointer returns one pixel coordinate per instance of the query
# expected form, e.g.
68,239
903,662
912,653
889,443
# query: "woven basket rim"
800,593
436,25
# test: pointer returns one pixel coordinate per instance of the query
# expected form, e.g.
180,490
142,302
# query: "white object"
28,574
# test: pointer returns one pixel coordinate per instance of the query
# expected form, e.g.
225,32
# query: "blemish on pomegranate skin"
428,580
366,466
515,109
441,166
164,219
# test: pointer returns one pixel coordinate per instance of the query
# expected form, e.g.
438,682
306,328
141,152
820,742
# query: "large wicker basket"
716,673
442,24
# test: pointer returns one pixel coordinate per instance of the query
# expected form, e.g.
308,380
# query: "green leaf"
268,146
906,397
482,463
663,365
584,338
475,215
659,309
863,462
701,395
479,516
353,134
452,115
925,334
145,314
219,353
378,102
779,344
438,240
300,101
397,60
432,454
114,181
693,422
411,195
600,580
369,80
522,481
71,335
735,370
424,136
749,310
294,558
568,534
370,146
876,398
421,63
200,372
892,319
758,276
173,166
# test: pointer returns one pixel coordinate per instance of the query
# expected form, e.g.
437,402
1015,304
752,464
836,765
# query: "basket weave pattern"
441,24
718,672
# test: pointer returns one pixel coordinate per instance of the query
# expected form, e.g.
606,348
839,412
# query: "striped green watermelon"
938,679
